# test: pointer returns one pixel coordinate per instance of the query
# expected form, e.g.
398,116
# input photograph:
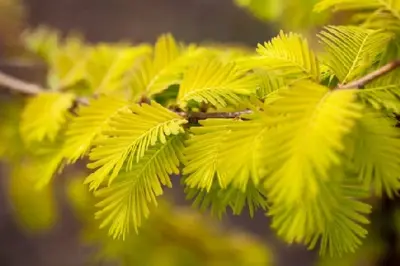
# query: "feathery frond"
383,93
203,154
91,121
35,209
269,83
376,152
68,63
131,133
308,124
226,151
164,67
42,41
11,143
373,14
212,81
352,50
337,5
109,66
44,115
126,202
334,218
288,55
219,199
46,159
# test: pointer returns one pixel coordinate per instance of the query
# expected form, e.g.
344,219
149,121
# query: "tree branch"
18,85
24,87
204,115
360,83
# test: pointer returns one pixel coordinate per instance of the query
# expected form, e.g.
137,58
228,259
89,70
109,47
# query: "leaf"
91,121
263,9
333,218
109,67
337,5
269,84
44,115
203,155
225,151
376,152
125,203
219,199
11,144
383,92
132,132
352,50
307,127
382,97
294,15
287,55
35,209
373,14
164,67
212,81
47,161
42,41
68,63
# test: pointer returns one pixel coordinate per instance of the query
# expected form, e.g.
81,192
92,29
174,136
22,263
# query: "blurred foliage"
174,236
35,209
287,14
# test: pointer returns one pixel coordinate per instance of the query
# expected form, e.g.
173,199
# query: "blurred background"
177,234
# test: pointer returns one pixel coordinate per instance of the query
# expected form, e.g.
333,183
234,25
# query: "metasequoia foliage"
307,135
171,236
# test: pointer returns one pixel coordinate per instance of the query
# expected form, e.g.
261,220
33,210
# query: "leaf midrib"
357,57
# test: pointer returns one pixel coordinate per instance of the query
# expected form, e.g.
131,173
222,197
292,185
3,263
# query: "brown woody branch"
32,89
18,85
360,83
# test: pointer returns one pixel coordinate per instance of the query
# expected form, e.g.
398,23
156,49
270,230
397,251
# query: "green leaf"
287,55
68,63
91,121
47,161
218,199
376,152
34,209
352,50
263,9
212,81
383,92
42,41
44,115
333,219
337,5
109,67
225,151
373,14
11,143
270,83
131,133
164,67
126,202
307,127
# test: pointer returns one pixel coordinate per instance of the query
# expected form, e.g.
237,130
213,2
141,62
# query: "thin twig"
204,115
19,85
360,83
32,89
